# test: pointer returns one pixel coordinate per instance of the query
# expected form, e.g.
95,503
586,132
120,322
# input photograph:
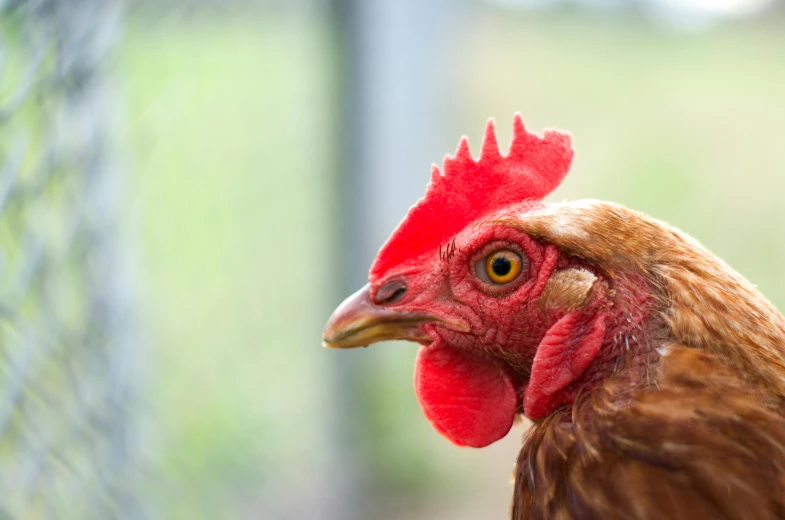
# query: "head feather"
469,189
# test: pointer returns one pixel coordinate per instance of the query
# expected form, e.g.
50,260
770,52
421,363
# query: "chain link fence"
68,355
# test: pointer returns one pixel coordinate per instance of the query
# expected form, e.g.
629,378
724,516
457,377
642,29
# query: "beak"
358,322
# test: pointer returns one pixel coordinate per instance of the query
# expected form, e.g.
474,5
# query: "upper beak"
358,322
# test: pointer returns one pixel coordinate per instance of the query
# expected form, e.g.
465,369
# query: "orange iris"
503,266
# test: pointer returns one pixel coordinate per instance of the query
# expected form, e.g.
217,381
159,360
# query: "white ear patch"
568,289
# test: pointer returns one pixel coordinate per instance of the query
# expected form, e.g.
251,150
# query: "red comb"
469,189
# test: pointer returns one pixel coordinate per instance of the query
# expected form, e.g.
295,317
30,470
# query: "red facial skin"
544,356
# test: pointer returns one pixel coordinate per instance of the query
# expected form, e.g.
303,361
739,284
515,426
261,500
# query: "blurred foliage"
231,135
232,190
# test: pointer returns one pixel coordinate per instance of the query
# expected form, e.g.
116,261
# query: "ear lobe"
568,289
565,352
469,399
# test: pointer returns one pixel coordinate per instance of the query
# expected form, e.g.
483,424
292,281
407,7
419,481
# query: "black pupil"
501,266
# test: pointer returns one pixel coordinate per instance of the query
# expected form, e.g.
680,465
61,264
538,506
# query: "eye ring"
500,267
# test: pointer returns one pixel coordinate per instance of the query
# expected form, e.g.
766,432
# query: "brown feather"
701,443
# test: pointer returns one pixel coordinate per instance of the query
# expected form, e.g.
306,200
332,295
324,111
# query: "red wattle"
467,398
566,351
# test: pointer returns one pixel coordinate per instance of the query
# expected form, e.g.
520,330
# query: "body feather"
700,442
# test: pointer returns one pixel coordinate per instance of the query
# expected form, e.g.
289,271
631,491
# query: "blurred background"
203,181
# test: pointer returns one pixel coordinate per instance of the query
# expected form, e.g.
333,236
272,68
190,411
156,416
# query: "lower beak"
358,322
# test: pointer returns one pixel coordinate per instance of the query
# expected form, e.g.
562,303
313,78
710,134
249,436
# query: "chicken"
653,374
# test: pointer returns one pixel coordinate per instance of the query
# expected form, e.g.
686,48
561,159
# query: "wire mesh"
67,347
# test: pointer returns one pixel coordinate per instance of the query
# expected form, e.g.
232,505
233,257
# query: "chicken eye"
503,266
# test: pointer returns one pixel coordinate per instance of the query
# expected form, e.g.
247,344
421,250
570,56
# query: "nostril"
390,292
